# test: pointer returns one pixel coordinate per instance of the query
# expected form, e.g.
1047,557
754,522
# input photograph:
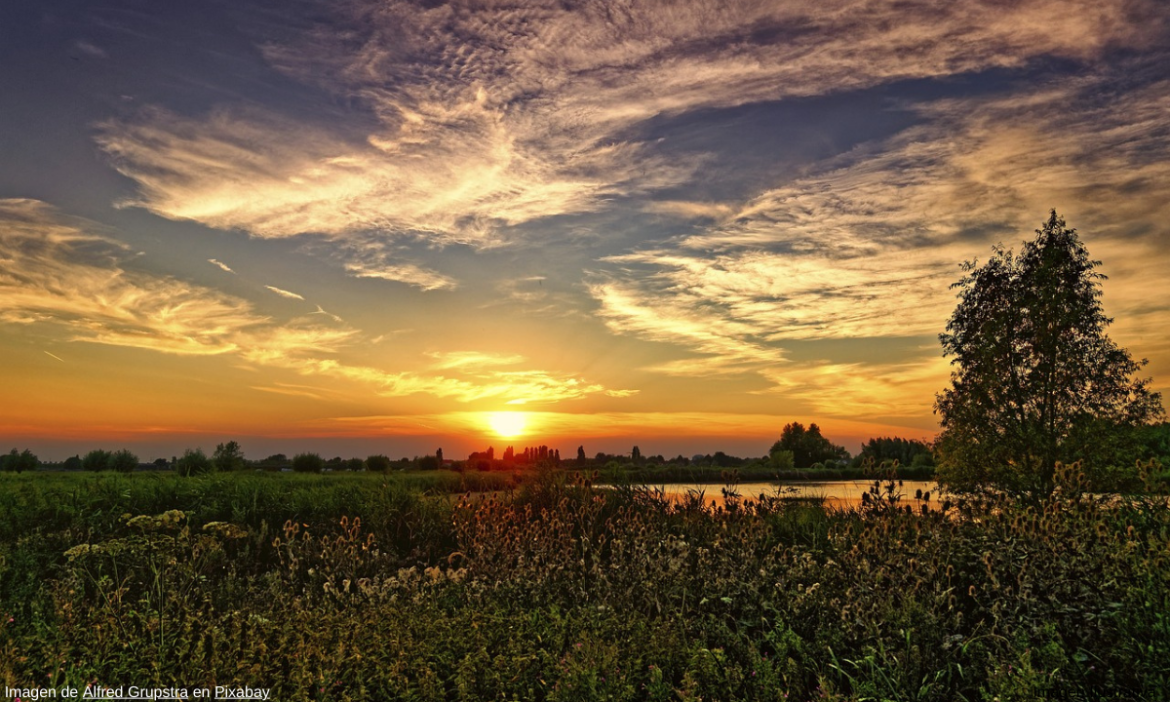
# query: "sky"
376,226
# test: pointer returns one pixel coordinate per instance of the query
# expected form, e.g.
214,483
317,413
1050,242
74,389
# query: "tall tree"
1036,379
807,445
228,456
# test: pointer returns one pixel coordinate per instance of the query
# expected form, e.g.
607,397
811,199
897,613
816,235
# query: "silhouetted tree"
18,462
123,461
96,460
378,463
308,463
439,456
228,457
1036,379
72,463
905,451
580,454
807,445
193,462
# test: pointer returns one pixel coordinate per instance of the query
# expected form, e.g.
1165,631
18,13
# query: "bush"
193,462
96,460
308,463
123,461
783,460
18,462
378,463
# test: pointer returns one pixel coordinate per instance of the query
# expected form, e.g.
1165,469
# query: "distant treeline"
801,452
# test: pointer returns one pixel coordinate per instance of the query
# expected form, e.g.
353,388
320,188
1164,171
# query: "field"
385,587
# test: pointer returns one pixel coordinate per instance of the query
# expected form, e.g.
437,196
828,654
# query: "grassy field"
374,587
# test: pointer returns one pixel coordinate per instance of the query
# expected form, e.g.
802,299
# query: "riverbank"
366,589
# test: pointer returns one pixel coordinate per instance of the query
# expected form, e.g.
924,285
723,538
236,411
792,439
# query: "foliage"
905,451
193,462
807,445
228,456
378,463
96,460
782,460
18,462
351,587
1036,380
122,461
308,463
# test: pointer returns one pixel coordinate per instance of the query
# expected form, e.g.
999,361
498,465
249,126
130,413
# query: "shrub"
193,462
378,463
308,463
96,460
123,461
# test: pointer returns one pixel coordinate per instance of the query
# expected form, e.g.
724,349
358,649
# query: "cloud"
447,360
64,271
221,266
285,293
493,115
53,268
867,245
90,49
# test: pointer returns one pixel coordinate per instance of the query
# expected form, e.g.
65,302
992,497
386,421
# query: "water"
837,493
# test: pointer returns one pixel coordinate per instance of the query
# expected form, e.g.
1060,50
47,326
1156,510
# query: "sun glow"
508,425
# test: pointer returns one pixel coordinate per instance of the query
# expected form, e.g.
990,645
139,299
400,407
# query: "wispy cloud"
285,293
220,265
330,315
54,268
472,360
493,115
868,245
64,271
90,49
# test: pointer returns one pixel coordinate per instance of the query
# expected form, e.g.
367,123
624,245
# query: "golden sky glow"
391,226
508,425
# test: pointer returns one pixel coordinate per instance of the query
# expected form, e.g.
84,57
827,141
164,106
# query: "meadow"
413,587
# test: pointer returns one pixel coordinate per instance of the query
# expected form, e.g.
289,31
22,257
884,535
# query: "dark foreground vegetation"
375,587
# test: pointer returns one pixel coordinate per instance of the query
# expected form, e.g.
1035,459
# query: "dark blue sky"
380,221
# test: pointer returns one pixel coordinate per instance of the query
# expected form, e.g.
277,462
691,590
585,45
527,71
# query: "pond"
840,494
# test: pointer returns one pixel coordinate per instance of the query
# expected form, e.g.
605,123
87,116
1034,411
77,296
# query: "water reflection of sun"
508,425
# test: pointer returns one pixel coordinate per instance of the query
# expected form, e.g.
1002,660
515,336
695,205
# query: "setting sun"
508,424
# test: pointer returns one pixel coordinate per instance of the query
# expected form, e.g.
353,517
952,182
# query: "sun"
508,425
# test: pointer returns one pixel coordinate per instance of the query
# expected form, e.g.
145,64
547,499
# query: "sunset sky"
366,226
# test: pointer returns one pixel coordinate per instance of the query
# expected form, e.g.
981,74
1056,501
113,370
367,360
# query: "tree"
73,463
1036,380
807,445
123,461
308,463
580,454
905,451
18,462
193,462
95,460
228,456
378,463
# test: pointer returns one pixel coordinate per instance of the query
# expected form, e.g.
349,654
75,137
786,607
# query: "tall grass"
556,590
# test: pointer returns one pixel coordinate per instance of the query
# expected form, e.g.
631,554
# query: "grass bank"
367,589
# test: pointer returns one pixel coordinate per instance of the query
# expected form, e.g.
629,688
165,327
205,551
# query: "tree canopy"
1035,378
807,445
